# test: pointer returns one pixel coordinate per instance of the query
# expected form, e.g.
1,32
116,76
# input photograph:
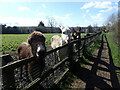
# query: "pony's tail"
18,51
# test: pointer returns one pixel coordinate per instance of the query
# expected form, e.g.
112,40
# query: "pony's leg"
29,71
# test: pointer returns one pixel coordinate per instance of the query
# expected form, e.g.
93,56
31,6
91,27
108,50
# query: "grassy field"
114,49
10,42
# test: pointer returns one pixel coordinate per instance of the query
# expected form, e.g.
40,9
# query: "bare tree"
52,22
60,24
112,22
119,27
112,26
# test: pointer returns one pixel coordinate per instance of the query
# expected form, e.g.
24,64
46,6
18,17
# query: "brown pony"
35,46
76,34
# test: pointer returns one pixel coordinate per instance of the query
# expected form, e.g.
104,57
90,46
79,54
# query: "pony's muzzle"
40,50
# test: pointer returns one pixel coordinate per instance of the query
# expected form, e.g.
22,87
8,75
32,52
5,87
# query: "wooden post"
84,47
79,42
72,62
5,59
1,82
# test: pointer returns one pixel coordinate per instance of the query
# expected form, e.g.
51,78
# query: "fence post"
79,44
1,82
71,61
84,47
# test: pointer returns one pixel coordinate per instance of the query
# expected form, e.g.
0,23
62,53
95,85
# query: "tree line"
26,30
51,28
112,25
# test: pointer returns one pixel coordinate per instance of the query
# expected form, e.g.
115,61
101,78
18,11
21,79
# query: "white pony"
57,41
66,34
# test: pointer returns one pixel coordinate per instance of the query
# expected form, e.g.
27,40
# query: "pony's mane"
33,34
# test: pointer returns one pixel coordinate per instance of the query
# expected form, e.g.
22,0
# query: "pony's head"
66,34
76,33
37,42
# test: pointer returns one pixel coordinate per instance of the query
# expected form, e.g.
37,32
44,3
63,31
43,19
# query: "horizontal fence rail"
45,73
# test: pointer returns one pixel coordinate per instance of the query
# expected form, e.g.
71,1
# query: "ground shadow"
90,77
113,75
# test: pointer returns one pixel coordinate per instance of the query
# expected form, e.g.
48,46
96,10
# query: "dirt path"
100,72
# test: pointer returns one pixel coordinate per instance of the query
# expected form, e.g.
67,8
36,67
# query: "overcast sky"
70,13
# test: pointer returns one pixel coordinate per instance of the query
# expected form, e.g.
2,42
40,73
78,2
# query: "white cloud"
59,17
41,14
87,11
22,21
87,5
97,18
65,17
23,8
96,4
105,4
7,0
54,0
43,5
116,3
109,6
106,10
93,19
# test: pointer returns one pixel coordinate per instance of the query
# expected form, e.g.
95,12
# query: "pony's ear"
44,39
61,27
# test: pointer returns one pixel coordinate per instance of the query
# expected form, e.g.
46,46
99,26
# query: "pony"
76,34
66,34
58,41
65,38
35,46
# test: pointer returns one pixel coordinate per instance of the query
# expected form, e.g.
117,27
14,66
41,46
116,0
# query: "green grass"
48,38
95,46
113,46
90,51
114,49
10,42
